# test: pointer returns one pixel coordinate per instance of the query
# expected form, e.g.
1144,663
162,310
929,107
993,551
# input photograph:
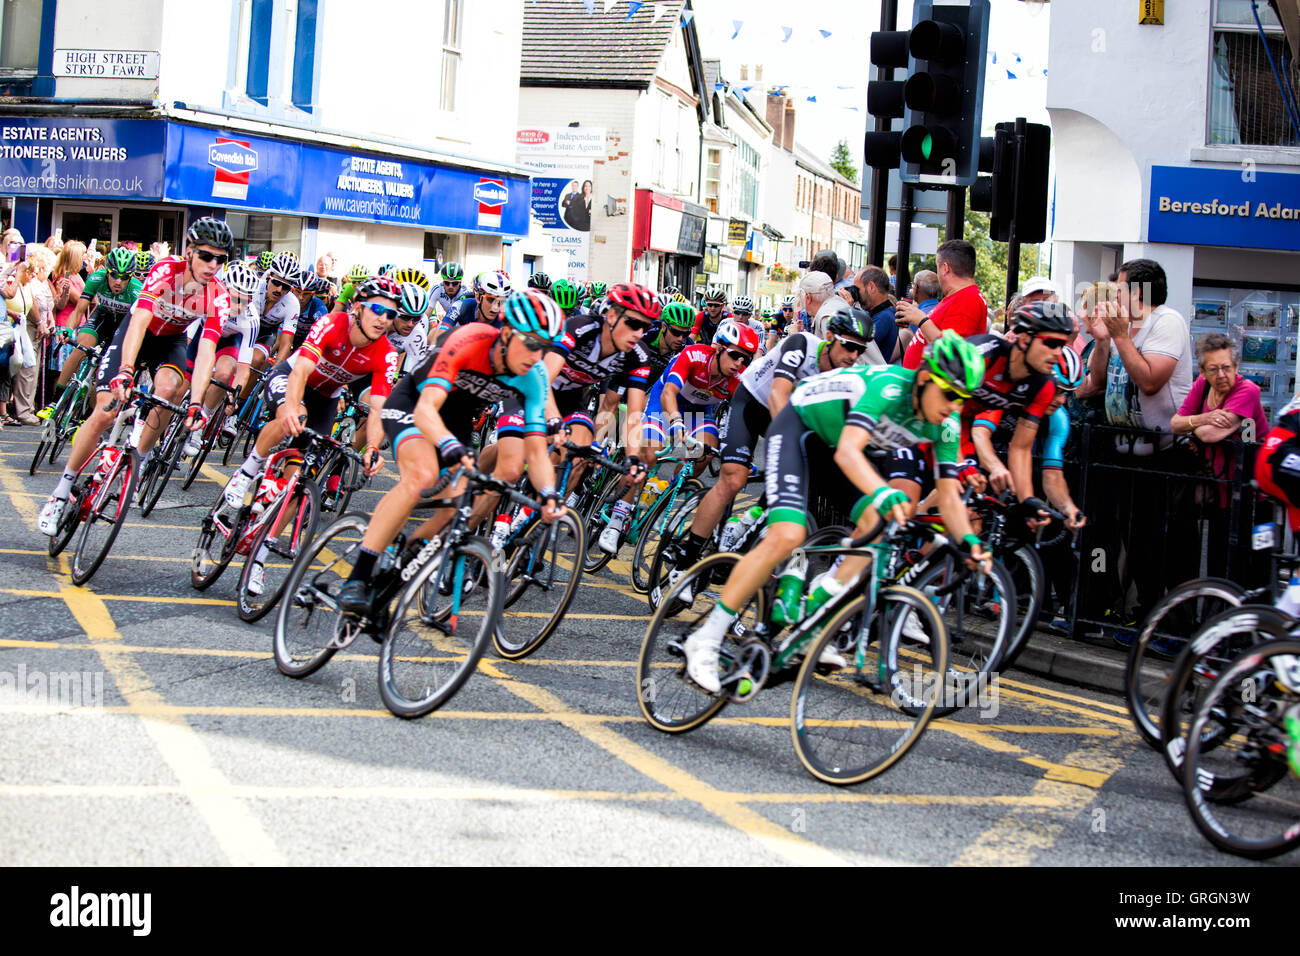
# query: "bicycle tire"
1268,825
669,700
647,542
309,593
824,751
51,430
678,525
411,636
539,562
165,459
1030,580
1193,602
205,569
301,525
68,523
1209,652
211,431
116,490
350,482
596,558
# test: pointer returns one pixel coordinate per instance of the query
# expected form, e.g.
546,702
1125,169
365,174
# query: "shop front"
667,241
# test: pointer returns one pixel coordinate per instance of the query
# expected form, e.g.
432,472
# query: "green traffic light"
927,145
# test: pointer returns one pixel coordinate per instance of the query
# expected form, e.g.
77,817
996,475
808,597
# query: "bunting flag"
590,5
660,10
825,34
687,16
609,5
787,31
719,87
812,99
632,7
737,24
1011,76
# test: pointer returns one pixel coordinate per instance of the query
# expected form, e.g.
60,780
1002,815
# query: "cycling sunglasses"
738,356
857,348
220,258
383,311
673,330
120,275
951,394
637,325
531,343
1052,342
276,282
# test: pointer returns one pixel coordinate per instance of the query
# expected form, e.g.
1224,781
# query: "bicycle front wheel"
1030,582
108,510
275,554
852,723
542,577
426,658
166,457
1247,708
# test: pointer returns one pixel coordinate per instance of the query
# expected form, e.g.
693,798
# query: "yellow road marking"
1051,692
147,598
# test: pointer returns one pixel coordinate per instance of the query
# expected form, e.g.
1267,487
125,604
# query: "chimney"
775,103
787,128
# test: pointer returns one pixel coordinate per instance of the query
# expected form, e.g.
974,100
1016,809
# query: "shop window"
441,248
451,51
256,233
1246,106
20,38
713,180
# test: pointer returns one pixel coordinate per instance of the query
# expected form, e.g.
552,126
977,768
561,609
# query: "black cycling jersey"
583,365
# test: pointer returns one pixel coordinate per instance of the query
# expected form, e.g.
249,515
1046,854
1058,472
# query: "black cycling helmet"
847,320
452,272
1042,317
540,280
210,231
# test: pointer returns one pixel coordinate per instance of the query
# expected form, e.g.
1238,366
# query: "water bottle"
500,531
824,587
654,487
731,532
386,560
789,592
748,520
521,519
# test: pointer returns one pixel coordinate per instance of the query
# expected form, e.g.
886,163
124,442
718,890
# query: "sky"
836,69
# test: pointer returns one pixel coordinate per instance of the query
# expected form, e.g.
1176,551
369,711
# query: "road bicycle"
249,419
212,434
73,407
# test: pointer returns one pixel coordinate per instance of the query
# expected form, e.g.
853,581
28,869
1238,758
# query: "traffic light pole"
956,227
880,177
903,276
1013,239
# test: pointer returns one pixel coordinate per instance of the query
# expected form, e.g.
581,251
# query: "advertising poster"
561,203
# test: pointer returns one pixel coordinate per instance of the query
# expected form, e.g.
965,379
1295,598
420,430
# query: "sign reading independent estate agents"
1224,207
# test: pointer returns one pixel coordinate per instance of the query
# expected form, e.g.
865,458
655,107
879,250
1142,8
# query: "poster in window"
1261,315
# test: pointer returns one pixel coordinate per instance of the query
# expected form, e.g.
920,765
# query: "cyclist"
541,282
263,261
229,346
356,275
275,311
700,377
742,311
179,289
714,311
826,429
788,319
447,296
144,263
565,294
311,309
490,291
432,411
112,290
341,348
763,393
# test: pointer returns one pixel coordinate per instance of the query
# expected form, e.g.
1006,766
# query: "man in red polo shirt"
962,308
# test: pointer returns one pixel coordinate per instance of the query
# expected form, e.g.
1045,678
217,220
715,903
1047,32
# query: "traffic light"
1017,186
885,99
943,96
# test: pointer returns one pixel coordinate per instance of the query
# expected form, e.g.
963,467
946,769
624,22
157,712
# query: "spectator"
68,283
813,290
963,308
874,289
828,262
926,291
40,262
20,304
893,272
54,244
870,355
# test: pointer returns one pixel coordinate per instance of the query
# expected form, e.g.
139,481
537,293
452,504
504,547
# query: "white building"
385,135
1172,142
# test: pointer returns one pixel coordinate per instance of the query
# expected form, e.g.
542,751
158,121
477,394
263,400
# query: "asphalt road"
198,751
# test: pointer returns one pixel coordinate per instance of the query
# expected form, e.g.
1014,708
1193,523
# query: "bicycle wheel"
541,577
663,516
219,536
303,512
1207,655
425,659
166,457
1173,619
210,432
978,612
108,511
853,723
1030,581
600,511
68,523
351,480
675,530
49,429
310,627
668,699
1246,708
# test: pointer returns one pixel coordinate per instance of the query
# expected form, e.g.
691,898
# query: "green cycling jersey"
121,303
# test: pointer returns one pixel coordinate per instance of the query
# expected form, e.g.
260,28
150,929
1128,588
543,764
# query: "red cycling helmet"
732,334
635,298
377,287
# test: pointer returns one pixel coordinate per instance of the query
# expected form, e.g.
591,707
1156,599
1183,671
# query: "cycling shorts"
572,403
103,324
228,345
747,421
398,417
1277,471
320,408
266,343
156,352
698,422
794,455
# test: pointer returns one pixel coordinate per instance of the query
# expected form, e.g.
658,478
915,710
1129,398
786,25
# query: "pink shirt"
1243,400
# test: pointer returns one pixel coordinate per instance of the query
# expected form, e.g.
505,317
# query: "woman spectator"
68,283
20,303
40,263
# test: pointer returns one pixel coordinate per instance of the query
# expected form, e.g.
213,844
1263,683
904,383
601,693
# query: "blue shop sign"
1224,207
238,171
78,158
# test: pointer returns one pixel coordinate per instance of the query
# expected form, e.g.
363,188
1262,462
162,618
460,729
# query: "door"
88,224
111,225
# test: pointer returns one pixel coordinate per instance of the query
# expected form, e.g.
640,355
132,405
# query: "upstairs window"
450,54
20,37
1246,107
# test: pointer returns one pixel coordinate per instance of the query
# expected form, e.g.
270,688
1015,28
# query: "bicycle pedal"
676,648
346,632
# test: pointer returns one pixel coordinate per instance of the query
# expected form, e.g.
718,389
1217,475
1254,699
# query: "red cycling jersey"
1029,396
339,362
173,310
698,386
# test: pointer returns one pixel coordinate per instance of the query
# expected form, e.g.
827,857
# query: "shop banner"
553,141
561,204
1224,207
235,170
81,158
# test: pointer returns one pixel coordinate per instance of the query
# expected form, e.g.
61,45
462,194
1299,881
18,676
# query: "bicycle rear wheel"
69,522
310,626
219,536
108,511
541,578
1030,582
853,723
210,432
656,526
426,658
282,550
1246,709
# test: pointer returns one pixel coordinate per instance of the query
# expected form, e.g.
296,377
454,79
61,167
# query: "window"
291,84
1246,106
258,82
713,180
745,180
450,54
302,82
258,233
20,36
441,248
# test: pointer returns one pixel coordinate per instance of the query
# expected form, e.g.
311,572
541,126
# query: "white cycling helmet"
240,277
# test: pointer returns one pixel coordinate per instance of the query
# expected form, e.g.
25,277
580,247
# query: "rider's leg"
731,480
168,384
73,362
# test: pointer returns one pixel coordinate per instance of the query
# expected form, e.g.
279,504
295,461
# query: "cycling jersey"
164,296
107,310
1050,449
308,316
797,357
339,362
1277,466
445,302
1031,395
704,326
699,391
415,343
237,330
583,364
281,317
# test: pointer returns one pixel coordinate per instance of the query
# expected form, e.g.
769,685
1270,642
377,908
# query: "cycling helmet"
386,268
769,315
240,277
743,303
787,302
715,294
672,290
452,272
144,261
493,282
597,289
121,260
414,301
209,231
316,285
539,280
679,315
736,335
358,273
665,299
565,294
1041,317
1068,371
599,306
263,261
415,276
285,266
846,320
535,313
378,287
678,297
954,362
635,298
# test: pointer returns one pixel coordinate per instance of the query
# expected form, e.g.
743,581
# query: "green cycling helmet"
452,272
121,261
598,289
358,273
264,260
679,315
144,261
565,294
954,362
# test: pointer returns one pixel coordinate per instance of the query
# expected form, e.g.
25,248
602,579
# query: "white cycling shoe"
608,540
702,661
912,629
236,488
51,515
687,594
230,428
193,444
256,580
831,657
